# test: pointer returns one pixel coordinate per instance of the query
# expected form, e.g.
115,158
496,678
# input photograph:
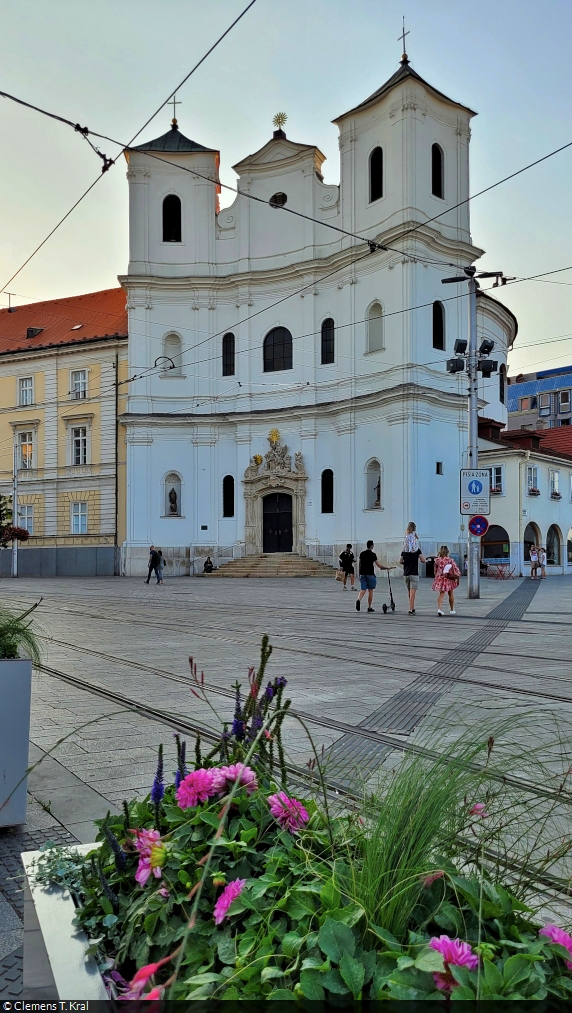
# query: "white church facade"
291,391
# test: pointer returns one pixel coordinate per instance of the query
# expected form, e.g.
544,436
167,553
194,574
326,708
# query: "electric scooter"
391,601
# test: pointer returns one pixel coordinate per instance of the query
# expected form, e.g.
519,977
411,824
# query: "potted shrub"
496,490
555,495
18,651
533,491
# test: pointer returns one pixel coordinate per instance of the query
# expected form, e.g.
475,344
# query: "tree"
8,531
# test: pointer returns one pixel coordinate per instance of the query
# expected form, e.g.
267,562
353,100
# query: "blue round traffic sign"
475,487
478,525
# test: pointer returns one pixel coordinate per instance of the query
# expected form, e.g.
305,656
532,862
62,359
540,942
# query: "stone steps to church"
274,564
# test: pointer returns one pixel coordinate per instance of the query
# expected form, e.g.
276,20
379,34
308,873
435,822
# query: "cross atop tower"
176,103
401,38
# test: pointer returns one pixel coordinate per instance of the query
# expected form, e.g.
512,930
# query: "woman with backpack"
447,576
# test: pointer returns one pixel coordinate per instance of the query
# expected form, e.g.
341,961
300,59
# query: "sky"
109,64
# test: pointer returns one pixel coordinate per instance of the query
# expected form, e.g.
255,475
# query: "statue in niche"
277,458
378,493
299,463
173,501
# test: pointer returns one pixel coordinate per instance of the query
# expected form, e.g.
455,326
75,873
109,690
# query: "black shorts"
350,572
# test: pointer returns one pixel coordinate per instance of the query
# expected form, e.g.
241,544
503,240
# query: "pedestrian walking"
153,560
410,556
542,563
367,563
533,562
347,560
160,567
447,576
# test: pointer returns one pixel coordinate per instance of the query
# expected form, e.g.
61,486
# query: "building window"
228,496
553,546
78,384
277,350
496,480
375,328
79,445
328,491
375,175
502,384
438,467
328,337
26,518
437,171
373,486
524,404
439,326
172,486
278,200
496,543
79,518
25,450
569,546
228,355
26,390
564,400
173,350
532,479
544,404
172,219
554,483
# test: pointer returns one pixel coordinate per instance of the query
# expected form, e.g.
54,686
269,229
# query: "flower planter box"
534,492
76,975
15,689
555,495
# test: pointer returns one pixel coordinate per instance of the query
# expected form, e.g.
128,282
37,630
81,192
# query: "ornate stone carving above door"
273,473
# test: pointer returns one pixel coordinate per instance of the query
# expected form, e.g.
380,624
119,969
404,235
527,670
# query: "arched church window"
173,350
502,384
328,337
228,355
375,328
328,491
373,485
228,496
439,326
172,486
172,219
277,350
437,171
375,175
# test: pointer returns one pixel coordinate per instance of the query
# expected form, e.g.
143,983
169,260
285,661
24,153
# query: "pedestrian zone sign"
475,492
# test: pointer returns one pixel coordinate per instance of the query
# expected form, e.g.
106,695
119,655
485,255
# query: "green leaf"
516,969
247,943
279,995
330,895
462,992
291,944
204,979
333,981
405,961
349,915
493,977
262,884
385,936
231,993
335,939
270,972
429,960
109,920
211,818
247,836
311,985
353,973
226,949
316,963
106,905
183,877
150,923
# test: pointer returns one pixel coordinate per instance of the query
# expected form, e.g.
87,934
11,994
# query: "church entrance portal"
277,523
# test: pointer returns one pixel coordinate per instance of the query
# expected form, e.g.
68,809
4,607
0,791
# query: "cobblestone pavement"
112,645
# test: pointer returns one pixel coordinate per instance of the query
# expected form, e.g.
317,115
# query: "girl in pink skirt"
447,576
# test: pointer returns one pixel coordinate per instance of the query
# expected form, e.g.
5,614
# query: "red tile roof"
101,315
559,440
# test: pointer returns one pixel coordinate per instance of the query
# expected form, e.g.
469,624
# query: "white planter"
15,693
75,974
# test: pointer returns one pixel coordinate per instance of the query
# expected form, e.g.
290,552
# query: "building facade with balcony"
531,496
540,400
60,365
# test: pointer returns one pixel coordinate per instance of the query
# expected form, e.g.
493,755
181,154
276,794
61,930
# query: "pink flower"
195,787
478,810
144,973
556,935
155,993
225,777
455,952
146,841
230,893
429,880
163,892
288,812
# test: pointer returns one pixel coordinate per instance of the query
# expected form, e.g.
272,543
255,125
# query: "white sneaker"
452,612
439,613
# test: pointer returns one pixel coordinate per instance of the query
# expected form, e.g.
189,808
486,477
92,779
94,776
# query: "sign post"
475,500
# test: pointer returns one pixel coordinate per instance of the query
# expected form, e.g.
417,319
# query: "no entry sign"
478,526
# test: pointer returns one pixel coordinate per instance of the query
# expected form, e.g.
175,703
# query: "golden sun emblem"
258,458
279,120
273,436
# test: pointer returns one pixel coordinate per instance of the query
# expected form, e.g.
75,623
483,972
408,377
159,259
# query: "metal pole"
14,568
473,555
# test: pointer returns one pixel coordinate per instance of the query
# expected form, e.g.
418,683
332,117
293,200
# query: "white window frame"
496,473
381,325
544,403
79,515
24,391
564,400
26,517
78,386
554,480
83,444
21,444
532,476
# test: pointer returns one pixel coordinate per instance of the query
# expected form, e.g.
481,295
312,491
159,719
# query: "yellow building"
62,364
